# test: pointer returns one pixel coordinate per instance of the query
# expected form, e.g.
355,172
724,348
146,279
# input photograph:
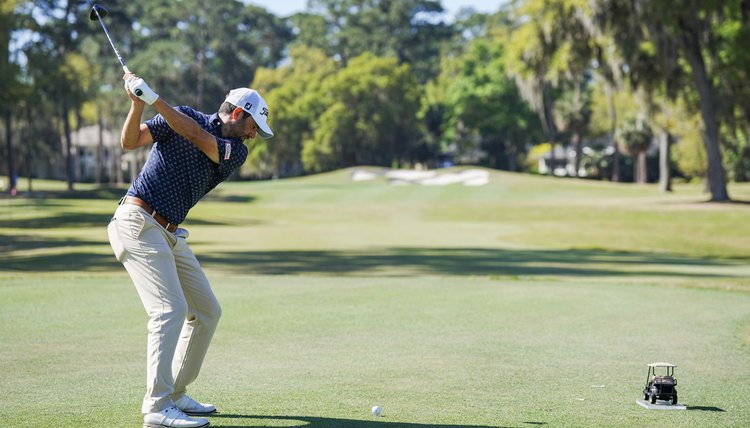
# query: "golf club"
97,13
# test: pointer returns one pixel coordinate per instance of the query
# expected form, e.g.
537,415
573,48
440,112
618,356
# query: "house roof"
88,136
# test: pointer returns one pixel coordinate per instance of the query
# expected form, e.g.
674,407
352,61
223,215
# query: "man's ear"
237,113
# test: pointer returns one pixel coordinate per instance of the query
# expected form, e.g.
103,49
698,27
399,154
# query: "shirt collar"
216,121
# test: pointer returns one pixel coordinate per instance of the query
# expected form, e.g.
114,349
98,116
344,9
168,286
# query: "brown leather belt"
132,200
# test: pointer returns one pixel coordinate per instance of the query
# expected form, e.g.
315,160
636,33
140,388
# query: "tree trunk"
636,167
201,79
68,155
511,153
578,147
665,169
29,169
641,175
613,128
7,25
549,123
716,176
9,142
100,147
115,174
29,146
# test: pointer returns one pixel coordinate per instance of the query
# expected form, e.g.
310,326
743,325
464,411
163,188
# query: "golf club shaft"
104,27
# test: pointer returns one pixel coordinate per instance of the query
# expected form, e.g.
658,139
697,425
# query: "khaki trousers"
182,309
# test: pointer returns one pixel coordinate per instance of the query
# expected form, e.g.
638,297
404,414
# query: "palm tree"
636,136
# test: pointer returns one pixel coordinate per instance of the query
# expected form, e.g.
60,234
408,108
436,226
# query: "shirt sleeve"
160,130
232,153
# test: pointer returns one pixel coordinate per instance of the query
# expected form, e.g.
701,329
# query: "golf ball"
376,410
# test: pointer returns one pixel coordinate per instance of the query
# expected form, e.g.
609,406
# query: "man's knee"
208,314
214,313
174,312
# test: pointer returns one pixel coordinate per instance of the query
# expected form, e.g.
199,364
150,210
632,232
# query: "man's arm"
188,128
179,122
134,133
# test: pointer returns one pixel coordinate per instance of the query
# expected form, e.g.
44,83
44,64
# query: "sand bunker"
468,177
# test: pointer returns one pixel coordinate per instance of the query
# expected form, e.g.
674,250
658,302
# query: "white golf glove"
140,88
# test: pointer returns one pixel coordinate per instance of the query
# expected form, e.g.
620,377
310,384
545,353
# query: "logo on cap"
248,106
264,112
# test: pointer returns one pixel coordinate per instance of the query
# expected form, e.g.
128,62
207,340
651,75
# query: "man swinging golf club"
192,154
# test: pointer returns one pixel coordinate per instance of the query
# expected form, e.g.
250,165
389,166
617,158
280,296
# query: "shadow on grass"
40,202
62,220
240,199
8,205
458,261
107,193
78,220
67,262
316,422
706,408
112,193
10,243
65,254
42,195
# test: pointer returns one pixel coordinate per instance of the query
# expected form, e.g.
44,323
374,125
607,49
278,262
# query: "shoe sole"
199,413
167,426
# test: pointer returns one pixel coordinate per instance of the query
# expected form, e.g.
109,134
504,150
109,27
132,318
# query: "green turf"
530,301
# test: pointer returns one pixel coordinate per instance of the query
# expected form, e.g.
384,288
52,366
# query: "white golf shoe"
192,407
172,417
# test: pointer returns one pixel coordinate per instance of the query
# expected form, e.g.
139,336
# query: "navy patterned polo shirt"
177,174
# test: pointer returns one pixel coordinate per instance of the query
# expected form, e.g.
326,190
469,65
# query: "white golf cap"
250,100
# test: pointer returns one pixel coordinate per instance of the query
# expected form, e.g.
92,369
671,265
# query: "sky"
288,7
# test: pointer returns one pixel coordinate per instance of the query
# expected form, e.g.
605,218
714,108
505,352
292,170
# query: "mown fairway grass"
529,301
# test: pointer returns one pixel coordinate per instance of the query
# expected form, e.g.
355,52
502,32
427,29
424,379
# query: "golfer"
192,153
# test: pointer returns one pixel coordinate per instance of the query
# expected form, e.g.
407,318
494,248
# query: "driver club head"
97,11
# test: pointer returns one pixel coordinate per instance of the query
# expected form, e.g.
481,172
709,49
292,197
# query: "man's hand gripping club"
140,89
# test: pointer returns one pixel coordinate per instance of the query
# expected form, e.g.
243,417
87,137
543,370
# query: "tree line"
400,83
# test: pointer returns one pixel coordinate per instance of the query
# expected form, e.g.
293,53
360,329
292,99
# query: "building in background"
98,157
